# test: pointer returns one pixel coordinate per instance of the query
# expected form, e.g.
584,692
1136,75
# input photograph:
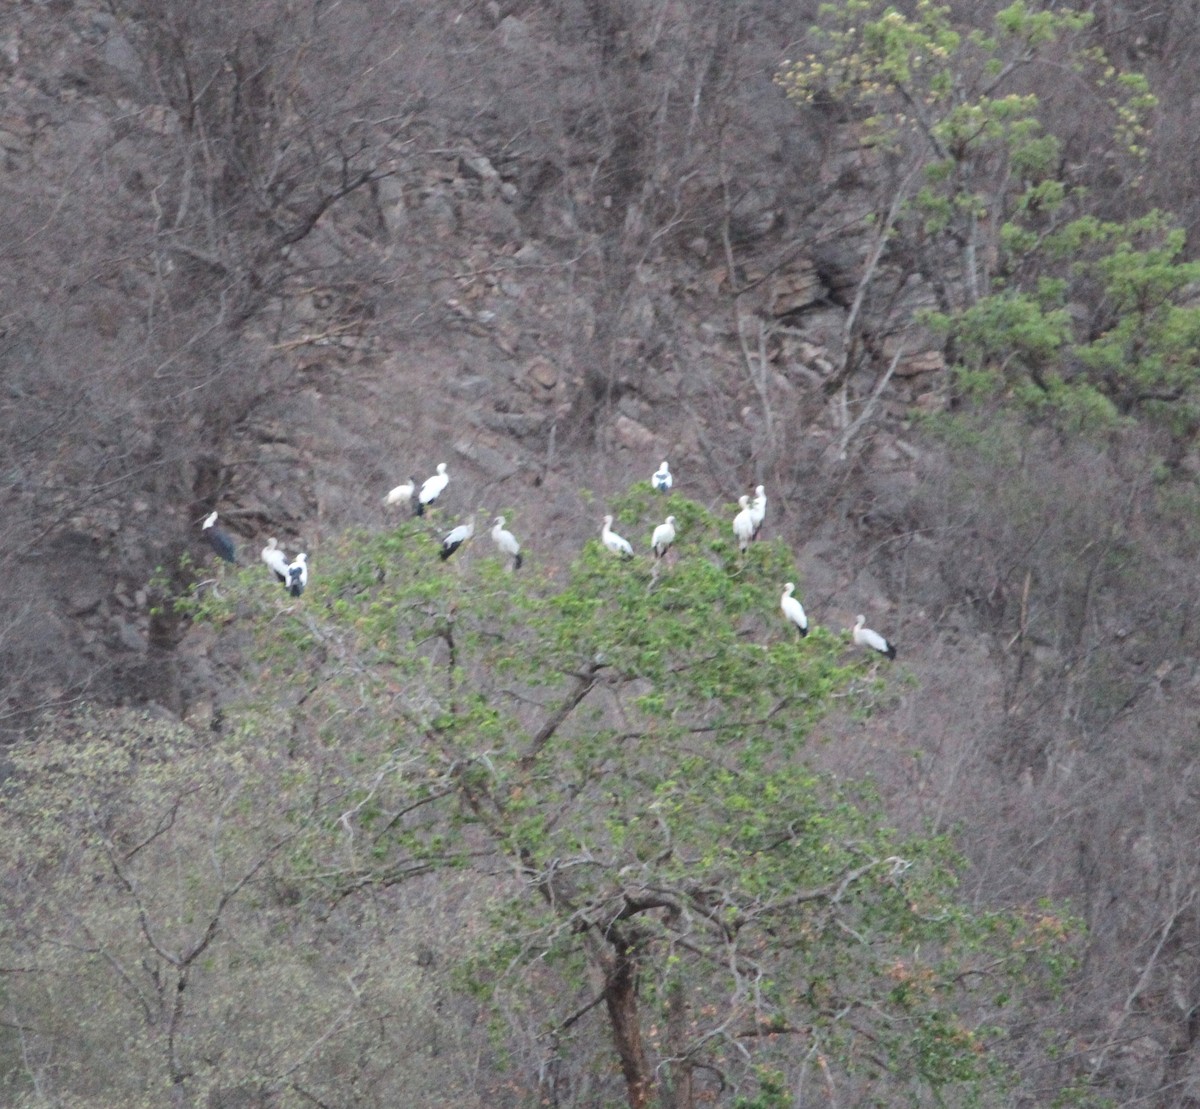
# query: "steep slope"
273,265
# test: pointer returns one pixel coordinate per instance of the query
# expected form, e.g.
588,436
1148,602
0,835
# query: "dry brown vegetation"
274,256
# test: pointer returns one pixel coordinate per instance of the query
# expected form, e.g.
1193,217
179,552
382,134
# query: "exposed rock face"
568,259
498,296
796,290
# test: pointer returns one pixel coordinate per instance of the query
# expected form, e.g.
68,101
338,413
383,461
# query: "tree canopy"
606,760
1042,299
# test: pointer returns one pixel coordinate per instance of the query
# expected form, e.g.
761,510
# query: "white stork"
758,509
218,539
743,524
276,560
793,609
432,488
613,541
663,537
865,637
298,575
456,539
402,494
662,478
507,542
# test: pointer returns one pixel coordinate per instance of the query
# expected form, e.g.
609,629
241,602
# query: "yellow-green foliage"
1074,319
157,931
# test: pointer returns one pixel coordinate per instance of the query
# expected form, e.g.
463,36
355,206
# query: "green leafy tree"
1110,331
664,900
948,109
619,754
1041,301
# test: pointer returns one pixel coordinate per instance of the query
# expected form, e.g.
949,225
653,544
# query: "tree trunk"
620,995
681,1071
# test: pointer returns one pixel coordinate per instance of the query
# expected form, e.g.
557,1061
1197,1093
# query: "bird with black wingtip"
219,539
872,640
506,542
457,537
298,575
432,488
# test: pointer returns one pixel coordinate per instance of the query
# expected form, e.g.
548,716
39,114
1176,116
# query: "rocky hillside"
481,281
272,259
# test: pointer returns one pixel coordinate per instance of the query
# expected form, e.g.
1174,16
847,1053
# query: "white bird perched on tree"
793,609
402,494
613,541
218,539
758,509
865,637
743,524
507,542
298,575
663,537
662,478
456,539
276,560
432,488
